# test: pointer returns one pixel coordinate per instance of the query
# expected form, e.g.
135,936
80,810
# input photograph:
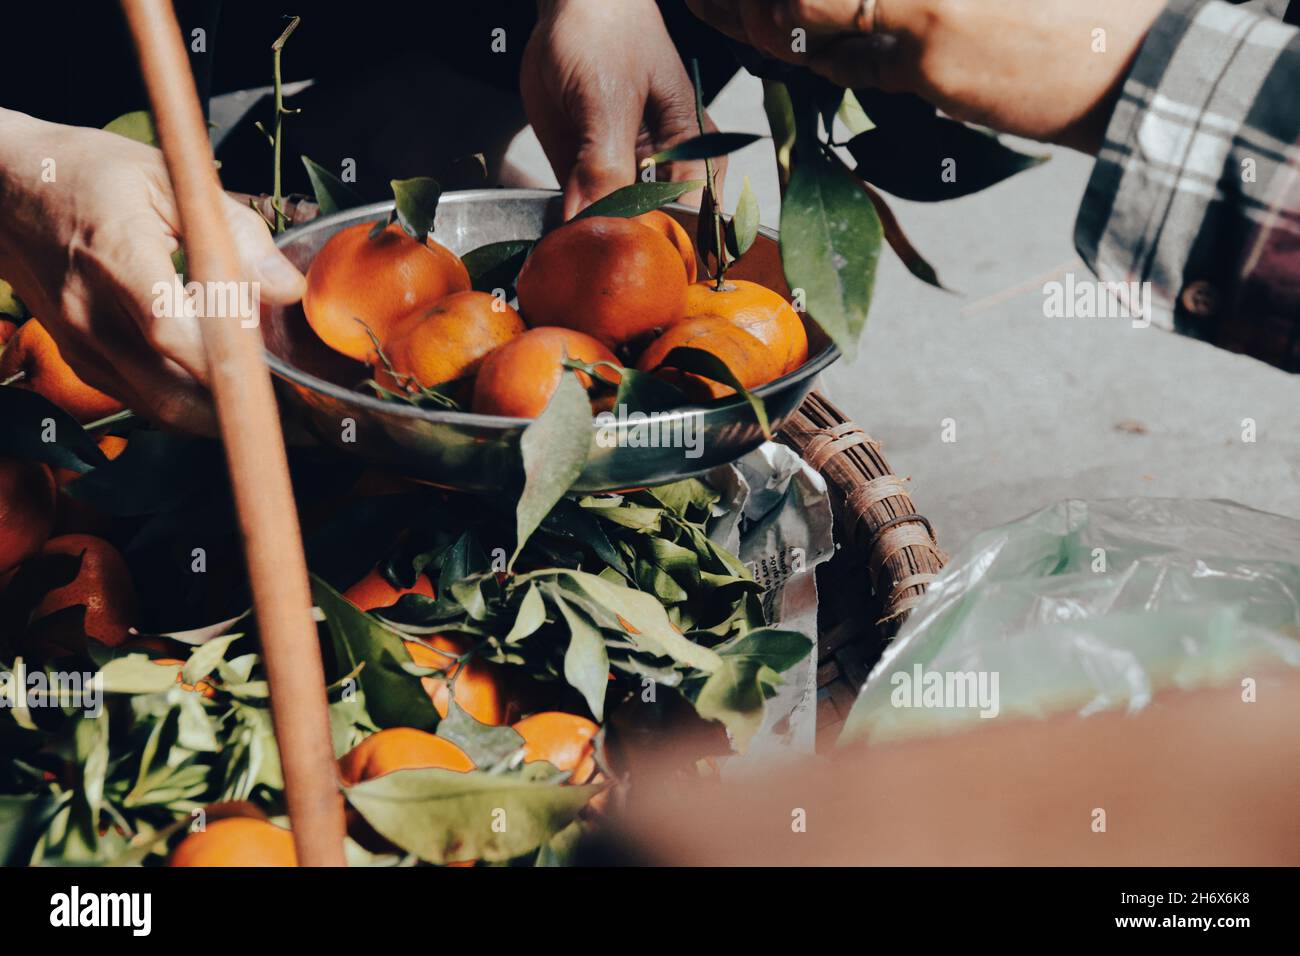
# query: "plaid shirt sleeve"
1197,186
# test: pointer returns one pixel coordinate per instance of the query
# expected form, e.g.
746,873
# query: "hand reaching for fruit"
1030,67
604,88
89,228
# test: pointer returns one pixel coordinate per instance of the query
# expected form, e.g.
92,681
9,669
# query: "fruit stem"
280,113
711,187
107,420
15,377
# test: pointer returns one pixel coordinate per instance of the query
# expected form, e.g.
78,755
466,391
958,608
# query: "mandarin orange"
400,748
373,591
675,233
562,740
27,496
450,341
749,360
103,585
758,310
378,281
34,355
518,379
236,841
476,684
614,279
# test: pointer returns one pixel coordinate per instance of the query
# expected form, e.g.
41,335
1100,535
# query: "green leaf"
700,362
22,818
443,816
417,205
586,663
204,660
572,522
497,264
530,616
137,125
742,230
780,117
332,194
705,146
710,235
561,849
655,632
830,243
393,697
853,116
28,419
642,392
914,153
734,693
485,744
136,674
554,448
682,496
91,741
157,472
11,306
197,730
640,198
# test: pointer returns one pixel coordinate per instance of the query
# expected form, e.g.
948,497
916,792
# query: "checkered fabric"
1197,187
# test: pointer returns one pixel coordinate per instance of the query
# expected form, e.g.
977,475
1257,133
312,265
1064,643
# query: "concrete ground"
1044,409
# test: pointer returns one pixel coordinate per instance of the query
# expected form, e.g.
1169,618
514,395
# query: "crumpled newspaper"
1087,606
776,515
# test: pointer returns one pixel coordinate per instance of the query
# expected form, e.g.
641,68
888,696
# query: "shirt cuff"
1203,134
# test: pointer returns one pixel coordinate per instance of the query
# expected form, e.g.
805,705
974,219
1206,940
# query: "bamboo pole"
250,430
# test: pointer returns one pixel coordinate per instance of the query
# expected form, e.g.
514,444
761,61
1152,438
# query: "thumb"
281,283
606,155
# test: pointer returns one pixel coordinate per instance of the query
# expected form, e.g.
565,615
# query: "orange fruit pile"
32,507
596,289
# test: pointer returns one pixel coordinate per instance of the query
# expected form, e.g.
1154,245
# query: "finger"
280,282
721,15
606,156
857,62
134,265
178,404
765,33
153,387
824,16
693,169
160,390
553,130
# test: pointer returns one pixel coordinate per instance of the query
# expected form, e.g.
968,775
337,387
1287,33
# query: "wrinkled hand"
604,88
1031,67
86,249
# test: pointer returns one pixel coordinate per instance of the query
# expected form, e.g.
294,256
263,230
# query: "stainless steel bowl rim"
382,209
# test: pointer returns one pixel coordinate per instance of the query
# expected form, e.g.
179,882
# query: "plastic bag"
1089,606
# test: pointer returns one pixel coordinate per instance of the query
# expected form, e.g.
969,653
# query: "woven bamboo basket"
886,555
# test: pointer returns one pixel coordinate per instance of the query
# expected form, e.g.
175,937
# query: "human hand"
89,229
604,88
1045,69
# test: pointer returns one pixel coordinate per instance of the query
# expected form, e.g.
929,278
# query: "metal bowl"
481,452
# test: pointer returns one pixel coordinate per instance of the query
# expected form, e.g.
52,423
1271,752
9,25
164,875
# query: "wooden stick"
250,429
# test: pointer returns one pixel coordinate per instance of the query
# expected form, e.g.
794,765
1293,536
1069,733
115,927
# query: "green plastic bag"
1090,606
